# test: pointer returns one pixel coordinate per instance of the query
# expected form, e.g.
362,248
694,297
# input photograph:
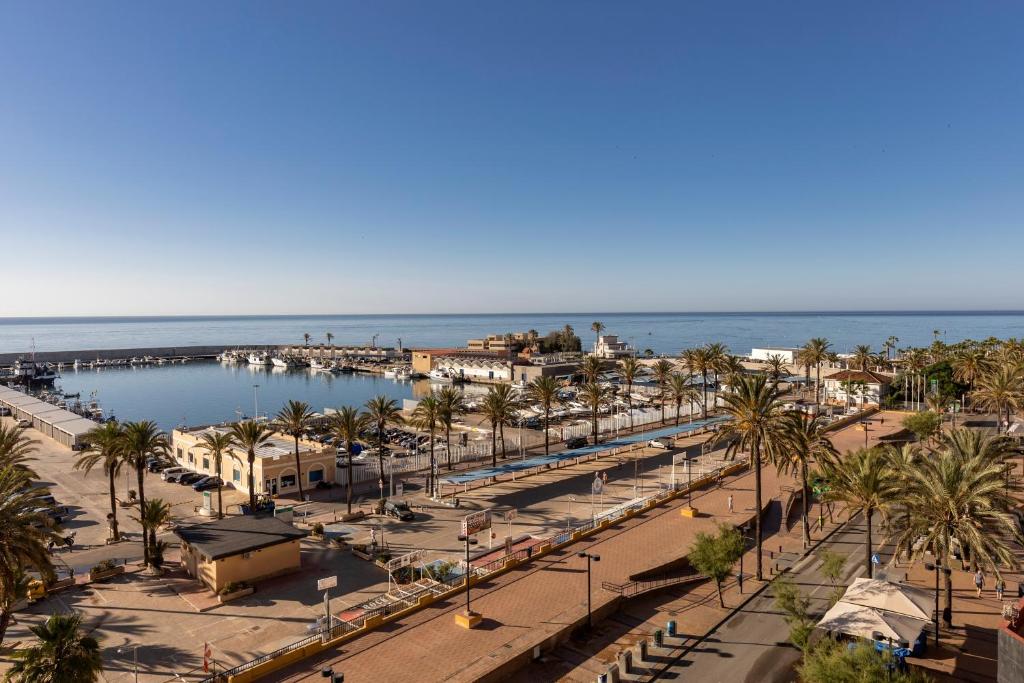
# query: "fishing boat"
31,372
439,375
259,358
284,362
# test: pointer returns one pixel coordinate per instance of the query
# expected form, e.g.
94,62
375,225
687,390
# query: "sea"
206,393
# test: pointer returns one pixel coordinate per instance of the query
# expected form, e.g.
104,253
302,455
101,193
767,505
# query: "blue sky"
354,157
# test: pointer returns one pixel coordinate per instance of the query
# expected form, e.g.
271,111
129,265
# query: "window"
316,475
236,474
179,455
206,463
287,480
191,458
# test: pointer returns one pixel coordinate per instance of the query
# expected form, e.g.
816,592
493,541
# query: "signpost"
472,523
326,584
509,516
596,488
402,561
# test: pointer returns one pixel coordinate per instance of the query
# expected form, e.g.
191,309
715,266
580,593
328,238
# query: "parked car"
399,510
190,478
48,499
4,412
51,513
207,483
24,424
576,442
172,473
660,443
156,465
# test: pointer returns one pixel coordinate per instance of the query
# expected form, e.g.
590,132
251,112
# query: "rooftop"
236,535
865,376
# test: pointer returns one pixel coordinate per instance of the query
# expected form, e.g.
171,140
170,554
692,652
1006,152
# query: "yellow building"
235,549
274,471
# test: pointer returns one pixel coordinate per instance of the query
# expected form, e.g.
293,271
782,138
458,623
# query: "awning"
864,622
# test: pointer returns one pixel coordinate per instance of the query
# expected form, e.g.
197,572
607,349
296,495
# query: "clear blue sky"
335,157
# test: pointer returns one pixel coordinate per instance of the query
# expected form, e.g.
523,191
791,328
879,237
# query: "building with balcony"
609,346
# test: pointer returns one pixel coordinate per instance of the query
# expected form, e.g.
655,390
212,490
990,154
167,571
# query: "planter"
228,597
360,554
106,574
350,517
59,585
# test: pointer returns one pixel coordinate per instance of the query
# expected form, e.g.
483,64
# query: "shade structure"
865,622
891,597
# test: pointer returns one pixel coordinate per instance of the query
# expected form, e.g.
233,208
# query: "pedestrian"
729,502
979,581
1000,587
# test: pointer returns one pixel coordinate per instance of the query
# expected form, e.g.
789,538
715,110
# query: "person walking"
979,581
729,502
1000,587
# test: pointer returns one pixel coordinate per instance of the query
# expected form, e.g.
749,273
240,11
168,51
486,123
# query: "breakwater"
192,352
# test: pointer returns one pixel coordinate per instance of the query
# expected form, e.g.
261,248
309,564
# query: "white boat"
438,375
259,358
390,373
403,374
317,364
284,362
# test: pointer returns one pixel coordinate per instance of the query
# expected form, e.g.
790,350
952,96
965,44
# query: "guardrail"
633,588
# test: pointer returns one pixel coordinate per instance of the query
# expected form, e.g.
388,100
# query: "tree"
970,365
16,448
347,425
662,371
1000,390
629,370
426,416
701,362
852,387
816,352
833,661
153,515
382,412
862,357
251,435
594,397
330,340
863,482
680,389
62,654
142,440
805,440
294,420
795,608
758,425
305,338
832,565
105,448
923,425
591,368
775,365
217,443
718,359
453,404
25,532
597,328
715,554
544,390
499,409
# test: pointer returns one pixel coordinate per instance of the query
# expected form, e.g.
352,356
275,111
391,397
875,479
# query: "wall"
93,354
1010,662
261,564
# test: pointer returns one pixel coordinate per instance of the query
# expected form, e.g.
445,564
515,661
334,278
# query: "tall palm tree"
962,495
62,654
544,390
426,416
453,404
718,357
680,389
25,533
348,424
663,371
382,411
568,338
701,362
969,365
153,515
218,443
863,482
499,409
629,370
816,352
1000,390
305,338
862,357
591,368
757,426
140,441
597,328
105,449
16,448
330,343
294,420
775,365
594,396
805,441
251,435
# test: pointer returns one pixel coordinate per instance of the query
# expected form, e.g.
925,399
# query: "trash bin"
657,637
671,627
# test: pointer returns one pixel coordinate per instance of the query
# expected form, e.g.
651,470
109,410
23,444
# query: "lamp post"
256,401
930,566
596,558
135,658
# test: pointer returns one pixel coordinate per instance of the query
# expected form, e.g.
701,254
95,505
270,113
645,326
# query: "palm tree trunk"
679,405
431,484
494,445
448,442
806,503
502,428
140,464
704,414
252,482
380,461
298,469
817,388
220,502
348,488
868,514
114,533
547,425
594,418
947,610
755,452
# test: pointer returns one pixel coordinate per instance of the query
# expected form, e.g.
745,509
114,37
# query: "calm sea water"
661,332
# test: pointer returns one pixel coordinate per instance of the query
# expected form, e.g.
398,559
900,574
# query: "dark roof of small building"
865,376
237,535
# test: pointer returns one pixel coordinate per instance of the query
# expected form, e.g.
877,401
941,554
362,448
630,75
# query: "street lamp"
256,401
590,557
936,567
135,658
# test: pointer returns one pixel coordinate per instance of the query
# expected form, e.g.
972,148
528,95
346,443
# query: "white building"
788,354
858,387
486,369
609,346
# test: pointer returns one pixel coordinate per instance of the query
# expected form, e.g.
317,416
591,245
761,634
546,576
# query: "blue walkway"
541,460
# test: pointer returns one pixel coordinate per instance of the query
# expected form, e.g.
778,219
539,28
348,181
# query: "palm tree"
140,441
775,365
680,389
718,356
890,345
105,449
544,390
250,435
701,363
294,420
305,338
63,654
816,352
862,357
663,370
348,424
426,416
863,482
16,448
594,396
969,365
330,340
568,335
382,411
757,425
218,443
453,404
629,370
597,327
153,515
962,495
805,440
591,368
499,408
25,532
1000,390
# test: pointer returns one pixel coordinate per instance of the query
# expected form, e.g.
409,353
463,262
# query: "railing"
633,588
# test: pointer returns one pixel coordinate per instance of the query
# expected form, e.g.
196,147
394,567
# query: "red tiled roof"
865,376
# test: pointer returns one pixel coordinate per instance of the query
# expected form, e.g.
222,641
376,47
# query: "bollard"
671,627
602,678
641,650
613,673
625,661
657,637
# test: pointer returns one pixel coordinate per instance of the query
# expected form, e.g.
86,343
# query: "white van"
175,471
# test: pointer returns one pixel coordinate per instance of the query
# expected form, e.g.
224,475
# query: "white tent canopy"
891,597
864,622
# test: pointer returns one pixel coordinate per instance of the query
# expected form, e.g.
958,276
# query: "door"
272,486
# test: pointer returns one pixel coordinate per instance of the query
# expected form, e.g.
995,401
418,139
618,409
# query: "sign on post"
327,582
404,560
399,488
476,522
510,515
